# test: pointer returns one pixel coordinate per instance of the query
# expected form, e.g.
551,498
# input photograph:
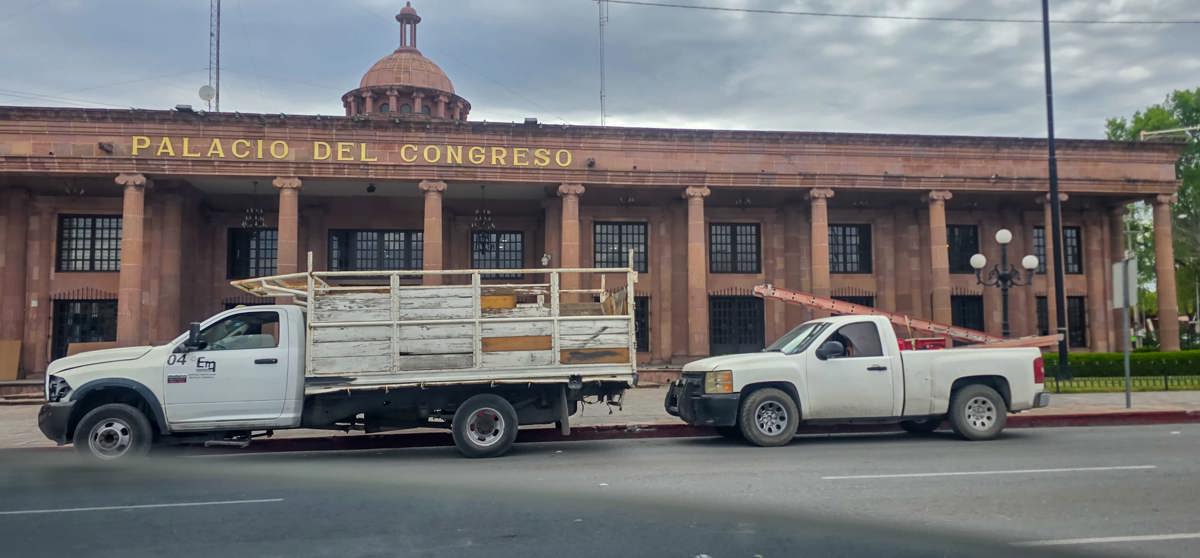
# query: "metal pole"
1125,329
1055,205
1004,282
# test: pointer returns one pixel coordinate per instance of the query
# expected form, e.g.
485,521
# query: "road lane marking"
1103,540
1007,472
144,506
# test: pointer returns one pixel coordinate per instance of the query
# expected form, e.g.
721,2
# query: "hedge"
1181,363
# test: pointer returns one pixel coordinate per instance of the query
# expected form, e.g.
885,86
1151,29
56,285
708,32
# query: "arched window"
426,110
405,108
385,108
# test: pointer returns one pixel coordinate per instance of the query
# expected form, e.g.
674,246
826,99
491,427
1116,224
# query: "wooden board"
494,302
580,309
517,359
384,332
594,356
353,349
343,366
522,343
10,358
595,327
513,329
596,341
426,304
531,311
435,362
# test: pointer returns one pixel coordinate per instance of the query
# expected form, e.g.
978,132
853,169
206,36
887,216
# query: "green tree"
1180,109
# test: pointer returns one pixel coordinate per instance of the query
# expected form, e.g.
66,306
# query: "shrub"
1182,363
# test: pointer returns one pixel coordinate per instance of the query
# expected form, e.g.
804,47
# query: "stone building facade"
121,226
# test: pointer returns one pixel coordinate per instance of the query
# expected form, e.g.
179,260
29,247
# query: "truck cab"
851,369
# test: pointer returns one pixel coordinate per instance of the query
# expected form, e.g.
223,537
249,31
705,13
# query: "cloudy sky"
666,67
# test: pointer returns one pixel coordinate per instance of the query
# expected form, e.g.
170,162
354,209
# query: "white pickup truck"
851,369
367,351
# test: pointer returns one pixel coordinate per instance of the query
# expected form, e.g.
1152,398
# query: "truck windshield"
799,338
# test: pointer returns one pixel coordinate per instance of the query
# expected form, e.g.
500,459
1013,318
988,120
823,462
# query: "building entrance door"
82,321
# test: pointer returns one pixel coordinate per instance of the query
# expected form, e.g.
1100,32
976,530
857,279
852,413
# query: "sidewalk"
644,406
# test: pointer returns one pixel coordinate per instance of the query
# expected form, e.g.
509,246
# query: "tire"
977,412
768,417
923,426
113,432
730,432
484,426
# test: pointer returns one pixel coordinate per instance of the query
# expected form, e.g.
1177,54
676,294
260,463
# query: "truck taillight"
1039,371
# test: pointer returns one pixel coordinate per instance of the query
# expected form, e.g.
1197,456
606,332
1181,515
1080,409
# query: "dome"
407,68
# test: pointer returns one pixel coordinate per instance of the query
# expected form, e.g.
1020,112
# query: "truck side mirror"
831,349
194,343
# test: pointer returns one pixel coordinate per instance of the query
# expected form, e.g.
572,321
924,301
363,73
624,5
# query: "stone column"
440,109
569,231
418,101
1097,299
12,283
170,313
818,199
939,255
38,262
393,100
368,102
129,290
288,257
1164,272
432,234
697,272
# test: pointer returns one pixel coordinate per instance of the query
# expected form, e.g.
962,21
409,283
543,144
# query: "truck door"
856,385
239,374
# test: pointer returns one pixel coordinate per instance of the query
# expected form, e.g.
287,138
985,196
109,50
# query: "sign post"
1124,275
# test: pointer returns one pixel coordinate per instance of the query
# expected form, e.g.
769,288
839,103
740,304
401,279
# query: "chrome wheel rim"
110,438
981,413
770,418
485,427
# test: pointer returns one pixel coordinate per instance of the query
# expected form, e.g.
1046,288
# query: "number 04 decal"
176,358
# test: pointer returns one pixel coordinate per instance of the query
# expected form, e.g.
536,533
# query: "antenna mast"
214,53
602,13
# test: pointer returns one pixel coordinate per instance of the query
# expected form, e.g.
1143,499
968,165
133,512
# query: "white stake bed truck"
851,369
370,351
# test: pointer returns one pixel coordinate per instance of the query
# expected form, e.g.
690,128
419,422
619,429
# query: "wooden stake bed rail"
386,327
768,291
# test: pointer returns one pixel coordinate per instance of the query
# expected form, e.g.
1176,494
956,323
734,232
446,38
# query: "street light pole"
1004,276
1060,306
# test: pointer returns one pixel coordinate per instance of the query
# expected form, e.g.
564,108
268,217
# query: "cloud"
666,67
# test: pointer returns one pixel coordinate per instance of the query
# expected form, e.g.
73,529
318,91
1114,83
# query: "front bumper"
54,419
1041,400
685,400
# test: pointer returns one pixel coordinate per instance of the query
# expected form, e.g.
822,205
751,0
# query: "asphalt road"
1061,490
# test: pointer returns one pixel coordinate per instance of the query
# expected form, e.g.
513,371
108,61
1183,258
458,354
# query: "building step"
26,387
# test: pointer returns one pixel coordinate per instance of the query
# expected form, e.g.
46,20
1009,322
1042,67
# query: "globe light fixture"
1004,275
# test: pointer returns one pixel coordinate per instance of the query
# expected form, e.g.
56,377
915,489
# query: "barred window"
641,321
1072,250
1039,248
251,253
1076,320
89,243
498,250
735,324
850,248
733,248
611,243
963,242
371,250
1043,316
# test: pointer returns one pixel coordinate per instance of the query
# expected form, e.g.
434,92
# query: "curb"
641,431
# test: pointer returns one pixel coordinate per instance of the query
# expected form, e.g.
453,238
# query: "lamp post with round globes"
1004,275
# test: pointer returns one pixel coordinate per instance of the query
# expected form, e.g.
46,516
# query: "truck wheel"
484,426
730,432
977,412
112,432
924,426
768,417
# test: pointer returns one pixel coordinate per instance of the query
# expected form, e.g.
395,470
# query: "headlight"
720,381
56,389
